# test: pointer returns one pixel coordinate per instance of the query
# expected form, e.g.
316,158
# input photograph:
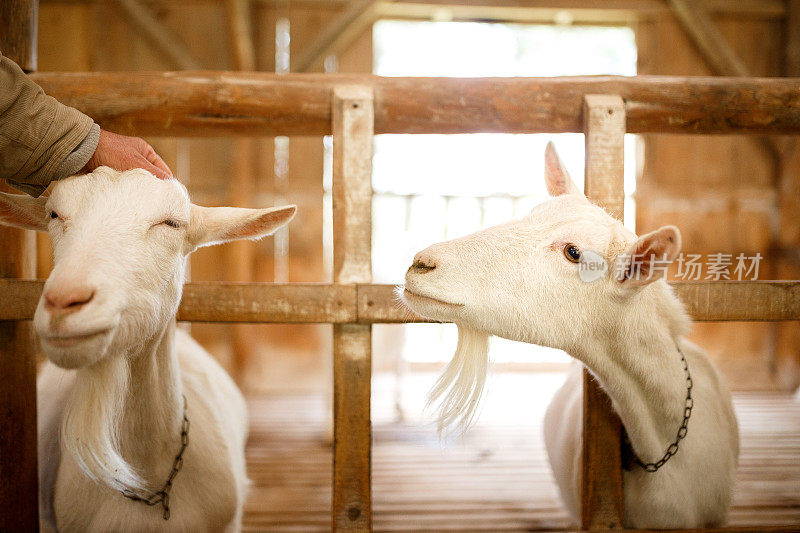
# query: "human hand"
121,152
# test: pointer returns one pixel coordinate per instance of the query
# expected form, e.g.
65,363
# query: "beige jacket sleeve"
41,140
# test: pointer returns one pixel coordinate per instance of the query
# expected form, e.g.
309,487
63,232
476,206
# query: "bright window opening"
430,188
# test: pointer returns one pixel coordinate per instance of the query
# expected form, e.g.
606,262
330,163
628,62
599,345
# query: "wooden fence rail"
317,303
204,103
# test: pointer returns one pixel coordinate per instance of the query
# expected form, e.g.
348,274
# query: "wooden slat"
353,121
706,301
601,480
228,103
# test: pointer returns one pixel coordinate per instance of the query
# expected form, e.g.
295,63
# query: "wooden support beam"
19,478
239,15
195,104
706,301
708,38
164,40
357,17
353,121
602,498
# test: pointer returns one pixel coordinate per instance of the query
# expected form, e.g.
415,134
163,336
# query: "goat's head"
120,241
557,268
552,278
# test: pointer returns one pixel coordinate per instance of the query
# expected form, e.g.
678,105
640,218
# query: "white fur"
458,390
111,397
514,281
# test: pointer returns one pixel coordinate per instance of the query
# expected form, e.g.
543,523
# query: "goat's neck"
637,362
150,430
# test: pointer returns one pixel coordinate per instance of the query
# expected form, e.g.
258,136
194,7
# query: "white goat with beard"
520,280
122,382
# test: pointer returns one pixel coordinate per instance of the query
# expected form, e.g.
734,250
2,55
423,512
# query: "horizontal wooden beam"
222,302
706,301
201,103
645,9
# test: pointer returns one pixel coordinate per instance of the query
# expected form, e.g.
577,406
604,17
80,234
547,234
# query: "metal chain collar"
687,413
162,496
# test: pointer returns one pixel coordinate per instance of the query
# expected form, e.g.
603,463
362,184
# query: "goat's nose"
423,264
68,299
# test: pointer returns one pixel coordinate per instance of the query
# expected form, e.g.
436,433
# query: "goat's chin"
78,351
431,308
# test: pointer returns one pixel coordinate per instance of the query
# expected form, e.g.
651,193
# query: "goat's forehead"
109,189
569,218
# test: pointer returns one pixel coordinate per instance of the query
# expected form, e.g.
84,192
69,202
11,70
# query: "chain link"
672,449
162,496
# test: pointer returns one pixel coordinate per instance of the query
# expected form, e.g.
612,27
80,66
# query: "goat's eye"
572,253
172,223
53,214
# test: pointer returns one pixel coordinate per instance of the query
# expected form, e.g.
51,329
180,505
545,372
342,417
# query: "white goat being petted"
521,281
124,389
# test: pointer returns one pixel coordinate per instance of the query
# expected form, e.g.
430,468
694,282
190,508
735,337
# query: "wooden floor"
495,478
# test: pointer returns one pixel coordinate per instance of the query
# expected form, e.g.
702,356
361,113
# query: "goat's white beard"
459,389
91,426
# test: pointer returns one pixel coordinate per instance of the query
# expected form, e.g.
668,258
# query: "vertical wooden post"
352,343
601,501
18,470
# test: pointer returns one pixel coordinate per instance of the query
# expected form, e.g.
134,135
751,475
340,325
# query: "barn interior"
734,198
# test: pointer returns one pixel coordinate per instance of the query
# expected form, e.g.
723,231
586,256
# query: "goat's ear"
648,259
22,211
556,176
216,225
